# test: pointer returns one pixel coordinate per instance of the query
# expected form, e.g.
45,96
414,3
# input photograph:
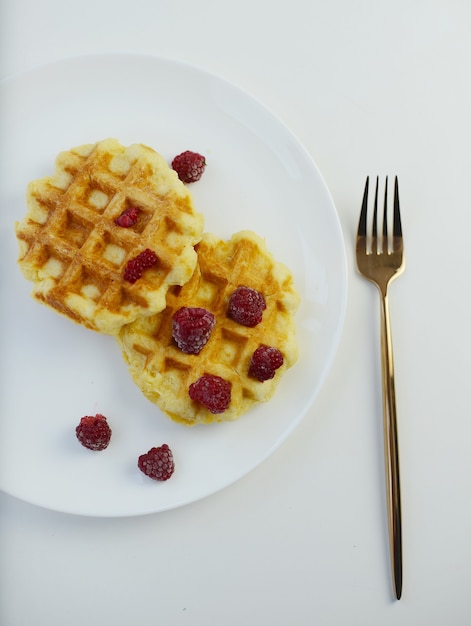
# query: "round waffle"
164,373
74,252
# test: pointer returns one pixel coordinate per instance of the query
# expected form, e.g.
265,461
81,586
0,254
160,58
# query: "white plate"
53,372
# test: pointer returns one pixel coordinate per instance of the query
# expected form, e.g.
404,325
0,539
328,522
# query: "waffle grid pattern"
73,251
164,373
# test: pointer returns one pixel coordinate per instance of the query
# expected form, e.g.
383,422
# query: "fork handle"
391,452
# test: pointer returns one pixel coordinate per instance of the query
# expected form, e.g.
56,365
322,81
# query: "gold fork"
380,259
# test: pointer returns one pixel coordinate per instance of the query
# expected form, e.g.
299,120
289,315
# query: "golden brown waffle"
164,373
75,253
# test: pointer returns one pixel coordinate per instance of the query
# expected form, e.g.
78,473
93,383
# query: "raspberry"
189,166
94,432
128,217
191,328
136,266
212,391
158,463
246,306
264,363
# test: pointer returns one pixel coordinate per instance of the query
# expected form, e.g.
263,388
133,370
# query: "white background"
369,87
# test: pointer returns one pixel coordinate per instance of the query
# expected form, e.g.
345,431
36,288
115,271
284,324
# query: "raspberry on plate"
264,363
191,328
93,432
157,463
246,306
212,391
189,166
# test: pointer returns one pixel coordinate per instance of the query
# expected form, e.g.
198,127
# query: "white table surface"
369,87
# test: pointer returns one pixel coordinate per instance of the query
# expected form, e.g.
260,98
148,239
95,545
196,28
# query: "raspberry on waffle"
105,206
164,372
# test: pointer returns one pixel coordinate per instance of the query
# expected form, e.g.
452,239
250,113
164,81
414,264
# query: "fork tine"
374,231
385,217
397,227
364,210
